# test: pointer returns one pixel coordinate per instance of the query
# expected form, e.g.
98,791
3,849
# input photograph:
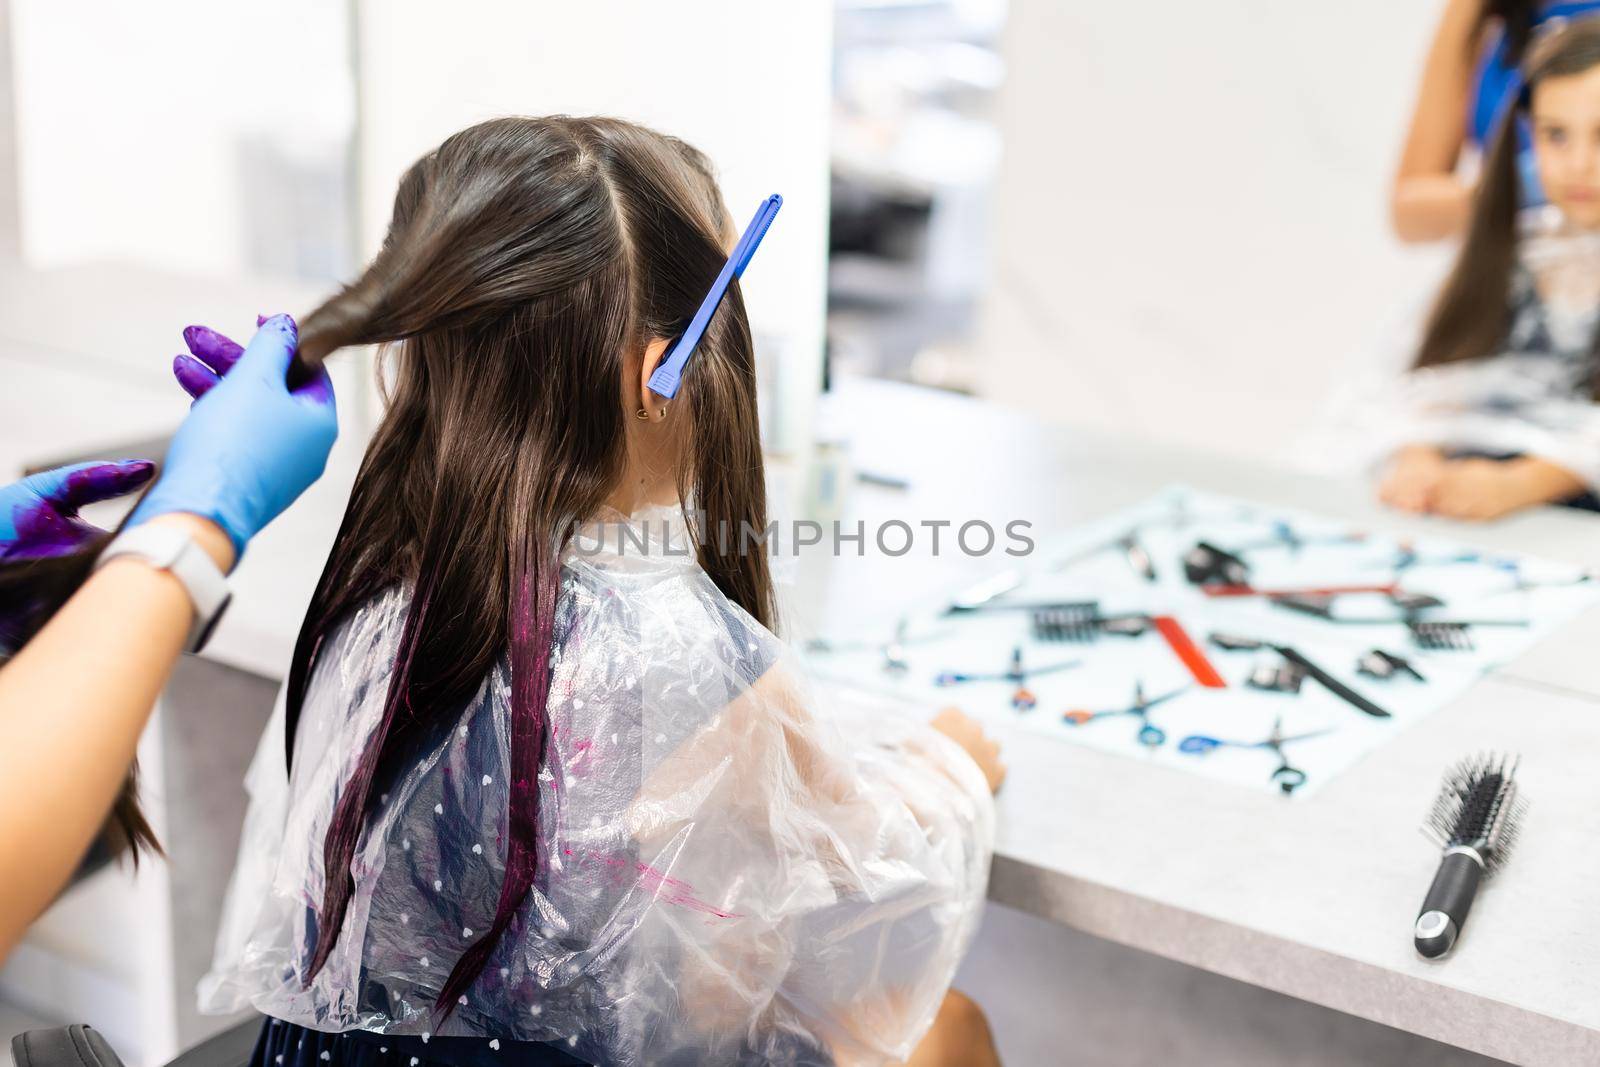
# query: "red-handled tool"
1183,646
1389,589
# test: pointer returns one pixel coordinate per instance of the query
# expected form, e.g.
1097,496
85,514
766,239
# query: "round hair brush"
1474,819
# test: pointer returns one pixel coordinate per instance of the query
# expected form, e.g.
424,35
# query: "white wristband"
170,549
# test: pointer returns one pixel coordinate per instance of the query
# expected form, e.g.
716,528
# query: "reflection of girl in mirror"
1472,73
1500,413
551,806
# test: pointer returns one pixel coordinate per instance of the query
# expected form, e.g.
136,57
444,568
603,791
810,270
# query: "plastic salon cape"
727,871
1533,398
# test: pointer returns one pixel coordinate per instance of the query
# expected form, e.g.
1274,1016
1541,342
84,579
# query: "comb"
665,378
1441,636
1081,622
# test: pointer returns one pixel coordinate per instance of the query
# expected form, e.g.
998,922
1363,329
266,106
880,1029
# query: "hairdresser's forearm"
73,703
1430,207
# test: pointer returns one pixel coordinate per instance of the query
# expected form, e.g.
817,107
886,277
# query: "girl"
1499,413
1472,74
554,793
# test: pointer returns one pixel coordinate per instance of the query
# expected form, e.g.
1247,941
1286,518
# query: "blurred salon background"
1168,220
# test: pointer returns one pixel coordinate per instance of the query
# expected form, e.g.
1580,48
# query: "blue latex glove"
250,445
39,515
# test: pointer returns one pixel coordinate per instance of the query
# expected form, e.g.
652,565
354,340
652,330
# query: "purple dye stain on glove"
39,515
212,355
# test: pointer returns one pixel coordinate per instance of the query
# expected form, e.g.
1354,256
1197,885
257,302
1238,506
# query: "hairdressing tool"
983,594
1129,544
1282,676
1284,535
1521,583
1441,636
1150,735
1081,622
1320,602
1410,603
1235,643
1383,665
894,649
1137,555
1431,634
894,652
1288,776
1206,564
882,481
664,380
1222,590
1407,556
1189,653
1475,820
1022,699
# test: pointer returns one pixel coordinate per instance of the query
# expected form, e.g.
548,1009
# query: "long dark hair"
1515,19
525,257
1472,315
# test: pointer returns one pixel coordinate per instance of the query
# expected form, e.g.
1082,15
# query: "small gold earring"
663,411
641,414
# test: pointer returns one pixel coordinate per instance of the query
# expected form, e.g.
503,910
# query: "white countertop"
1315,897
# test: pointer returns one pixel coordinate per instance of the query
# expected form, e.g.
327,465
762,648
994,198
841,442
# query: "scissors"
1150,735
1287,776
1129,544
1023,699
1284,535
895,660
1406,556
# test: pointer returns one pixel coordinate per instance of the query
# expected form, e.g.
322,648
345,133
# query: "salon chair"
82,1046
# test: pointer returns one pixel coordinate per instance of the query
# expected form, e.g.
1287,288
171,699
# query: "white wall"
1193,239
135,124
746,81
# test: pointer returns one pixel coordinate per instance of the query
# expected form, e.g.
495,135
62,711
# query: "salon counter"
1315,896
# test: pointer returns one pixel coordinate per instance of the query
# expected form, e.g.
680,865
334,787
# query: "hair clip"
664,380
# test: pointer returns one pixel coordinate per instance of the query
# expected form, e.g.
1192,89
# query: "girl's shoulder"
663,614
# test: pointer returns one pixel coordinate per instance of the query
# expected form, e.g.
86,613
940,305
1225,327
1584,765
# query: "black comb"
1441,636
1078,622
1081,622
1475,819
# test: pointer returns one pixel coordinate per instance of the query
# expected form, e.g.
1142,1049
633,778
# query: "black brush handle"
1449,899
1332,684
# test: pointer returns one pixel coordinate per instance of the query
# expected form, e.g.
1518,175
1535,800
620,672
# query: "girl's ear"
653,406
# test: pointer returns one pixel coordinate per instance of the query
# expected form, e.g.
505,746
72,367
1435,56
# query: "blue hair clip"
664,381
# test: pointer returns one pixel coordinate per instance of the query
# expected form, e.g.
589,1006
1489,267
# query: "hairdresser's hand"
211,356
1484,489
1413,478
966,732
250,446
39,515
